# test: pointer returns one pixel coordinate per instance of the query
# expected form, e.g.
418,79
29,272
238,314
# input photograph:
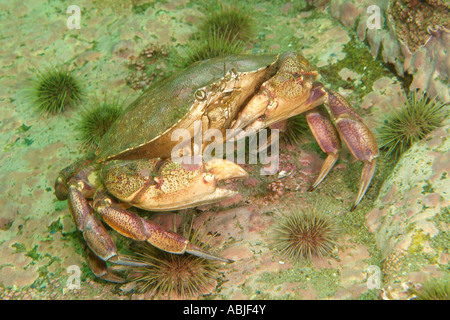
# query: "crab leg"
357,136
94,233
62,182
99,268
327,137
133,226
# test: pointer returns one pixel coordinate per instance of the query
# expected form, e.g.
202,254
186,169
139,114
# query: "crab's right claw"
165,185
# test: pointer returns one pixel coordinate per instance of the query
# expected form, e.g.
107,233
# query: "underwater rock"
427,63
411,215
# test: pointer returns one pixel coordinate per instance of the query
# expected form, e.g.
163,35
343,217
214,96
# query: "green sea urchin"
296,127
176,276
233,21
433,289
223,31
96,120
215,45
304,233
419,116
56,90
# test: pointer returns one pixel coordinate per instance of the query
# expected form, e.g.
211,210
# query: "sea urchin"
304,233
175,276
434,289
296,127
56,90
96,120
230,20
419,116
215,45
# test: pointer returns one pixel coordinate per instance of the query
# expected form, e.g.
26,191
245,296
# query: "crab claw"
357,136
100,269
254,109
94,233
164,185
76,170
327,137
223,169
285,95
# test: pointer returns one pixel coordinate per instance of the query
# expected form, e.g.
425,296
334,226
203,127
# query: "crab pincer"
357,136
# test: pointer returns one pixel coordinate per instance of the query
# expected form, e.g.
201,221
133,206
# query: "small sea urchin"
304,233
96,120
234,21
433,289
215,45
56,89
419,116
223,31
176,276
296,127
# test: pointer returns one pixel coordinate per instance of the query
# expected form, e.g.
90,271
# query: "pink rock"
340,166
231,201
251,182
354,255
237,253
444,258
349,13
286,7
361,30
390,195
325,263
373,219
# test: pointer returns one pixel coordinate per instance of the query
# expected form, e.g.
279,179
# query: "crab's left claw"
357,136
286,94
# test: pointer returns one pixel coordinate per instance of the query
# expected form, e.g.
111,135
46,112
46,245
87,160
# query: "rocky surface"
401,227
413,37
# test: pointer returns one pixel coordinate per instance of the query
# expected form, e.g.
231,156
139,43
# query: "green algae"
55,226
441,241
359,59
23,140
417,241
20,247
442,217
371,294
295,6
324,281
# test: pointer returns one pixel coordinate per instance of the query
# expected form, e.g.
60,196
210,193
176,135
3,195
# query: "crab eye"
222,85
200,94
234,73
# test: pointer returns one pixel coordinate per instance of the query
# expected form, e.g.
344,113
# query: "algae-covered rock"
411,217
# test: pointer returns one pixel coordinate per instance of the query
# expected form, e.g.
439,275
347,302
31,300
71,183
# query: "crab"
134,164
